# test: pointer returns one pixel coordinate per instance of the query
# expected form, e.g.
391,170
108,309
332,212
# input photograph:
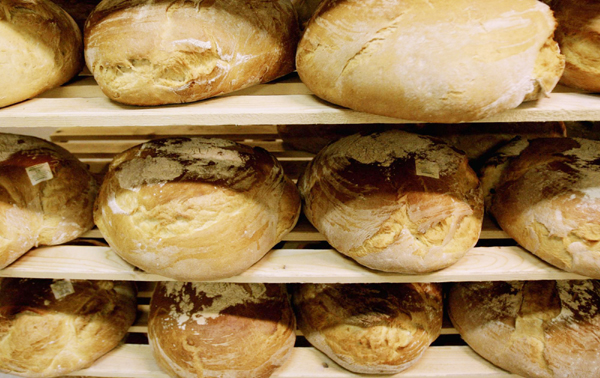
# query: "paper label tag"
62,288
427,168
38,173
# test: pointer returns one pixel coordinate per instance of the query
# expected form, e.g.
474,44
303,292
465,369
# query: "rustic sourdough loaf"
431,61
146,52
578,35
46,196
53,327
537,329
548,200
41,49
221,330
370,328
394,201
195,209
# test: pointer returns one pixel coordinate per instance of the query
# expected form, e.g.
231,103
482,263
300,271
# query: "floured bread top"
12,143
385,148
192,159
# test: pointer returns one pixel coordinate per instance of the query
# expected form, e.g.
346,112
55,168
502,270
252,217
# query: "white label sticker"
427,168
62,288
38,173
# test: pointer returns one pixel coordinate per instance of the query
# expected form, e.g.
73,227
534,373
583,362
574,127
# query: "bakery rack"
85,122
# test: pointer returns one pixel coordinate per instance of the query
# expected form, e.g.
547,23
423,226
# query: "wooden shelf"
285,101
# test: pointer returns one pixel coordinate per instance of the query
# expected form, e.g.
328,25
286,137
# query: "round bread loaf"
548,200
46,196
394,201
49,328
432,61
41,49
195,209
189,50
537,329
370,328
221,330
578,34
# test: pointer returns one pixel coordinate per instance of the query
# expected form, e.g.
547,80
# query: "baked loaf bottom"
370,328
548,200
220,330
195,209
53,327
189,50
541,329
394,201
46,196
430,61
41,46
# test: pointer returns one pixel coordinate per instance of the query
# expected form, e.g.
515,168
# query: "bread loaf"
538,329
53,327
195,209
548,200
394,201
430,61
578,35
220,330
188,50
370,328
41,49
46,196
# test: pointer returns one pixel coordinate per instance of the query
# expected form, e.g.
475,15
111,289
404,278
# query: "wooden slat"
141,132
288,265
262,105
136,361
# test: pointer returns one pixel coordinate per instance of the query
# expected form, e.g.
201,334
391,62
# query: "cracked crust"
430,61
185,51
538,329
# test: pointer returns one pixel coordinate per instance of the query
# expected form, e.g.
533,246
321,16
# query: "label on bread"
427,168
62,288
39,173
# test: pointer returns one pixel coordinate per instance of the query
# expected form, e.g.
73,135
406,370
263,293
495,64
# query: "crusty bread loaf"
537,329
221,330
548,200
394,201
189,50
46,196
578,34
430,61
53,327
370,328
195,209
41,49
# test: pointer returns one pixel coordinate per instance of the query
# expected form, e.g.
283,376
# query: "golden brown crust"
186,51
394,201
370,328
548,200
215,330
430,61
42,336
542,329
50,212
41,46
578,35
195,209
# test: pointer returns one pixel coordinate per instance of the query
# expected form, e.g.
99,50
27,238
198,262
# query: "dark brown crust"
326,311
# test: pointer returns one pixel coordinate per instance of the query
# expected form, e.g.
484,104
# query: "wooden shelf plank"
135,361
288,265
285,102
